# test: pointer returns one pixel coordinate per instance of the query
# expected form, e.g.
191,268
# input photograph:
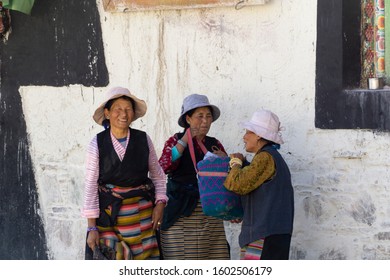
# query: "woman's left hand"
220,153
157,215
237,155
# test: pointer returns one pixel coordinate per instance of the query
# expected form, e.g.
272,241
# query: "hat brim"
215,112
139,110
262,132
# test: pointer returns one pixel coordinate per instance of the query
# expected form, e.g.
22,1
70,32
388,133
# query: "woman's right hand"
93,239
237,155
194,132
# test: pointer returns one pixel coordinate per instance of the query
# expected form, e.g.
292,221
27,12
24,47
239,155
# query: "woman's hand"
237,155
219,153
93,239
157,215
194,133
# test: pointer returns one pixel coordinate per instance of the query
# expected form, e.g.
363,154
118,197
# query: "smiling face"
120,114
200,120
251,141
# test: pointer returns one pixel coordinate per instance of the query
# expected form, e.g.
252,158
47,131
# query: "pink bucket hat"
265,124
139,110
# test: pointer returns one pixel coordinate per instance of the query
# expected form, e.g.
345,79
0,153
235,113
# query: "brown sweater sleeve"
244,180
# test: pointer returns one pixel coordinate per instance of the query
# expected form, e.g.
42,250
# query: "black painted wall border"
338,104
58,45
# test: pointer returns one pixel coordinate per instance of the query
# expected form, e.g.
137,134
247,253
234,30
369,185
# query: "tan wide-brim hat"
265,124
116,92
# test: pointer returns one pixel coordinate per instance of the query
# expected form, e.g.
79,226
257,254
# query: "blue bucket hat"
194,101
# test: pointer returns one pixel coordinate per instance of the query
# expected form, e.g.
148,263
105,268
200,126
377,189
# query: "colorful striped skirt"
252,251
133,236
197,237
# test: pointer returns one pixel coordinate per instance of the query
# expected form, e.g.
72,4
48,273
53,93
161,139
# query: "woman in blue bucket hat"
186,232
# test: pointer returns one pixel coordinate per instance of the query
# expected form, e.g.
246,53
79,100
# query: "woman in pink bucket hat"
125,191
266,189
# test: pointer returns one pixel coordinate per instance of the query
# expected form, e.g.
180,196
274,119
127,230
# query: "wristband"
234,161
175,154
92,229
181,142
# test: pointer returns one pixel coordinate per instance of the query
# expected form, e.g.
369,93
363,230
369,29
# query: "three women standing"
126,190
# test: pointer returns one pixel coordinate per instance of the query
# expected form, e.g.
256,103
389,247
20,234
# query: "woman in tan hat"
125,192
186,233
266,189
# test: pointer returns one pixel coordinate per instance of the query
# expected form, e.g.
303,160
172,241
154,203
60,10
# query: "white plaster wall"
256,57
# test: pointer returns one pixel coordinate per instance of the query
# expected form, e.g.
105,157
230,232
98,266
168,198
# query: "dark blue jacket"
269,209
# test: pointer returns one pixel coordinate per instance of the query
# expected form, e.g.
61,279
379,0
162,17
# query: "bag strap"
191,147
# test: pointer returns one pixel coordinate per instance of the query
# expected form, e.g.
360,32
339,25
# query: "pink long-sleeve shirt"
91,197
